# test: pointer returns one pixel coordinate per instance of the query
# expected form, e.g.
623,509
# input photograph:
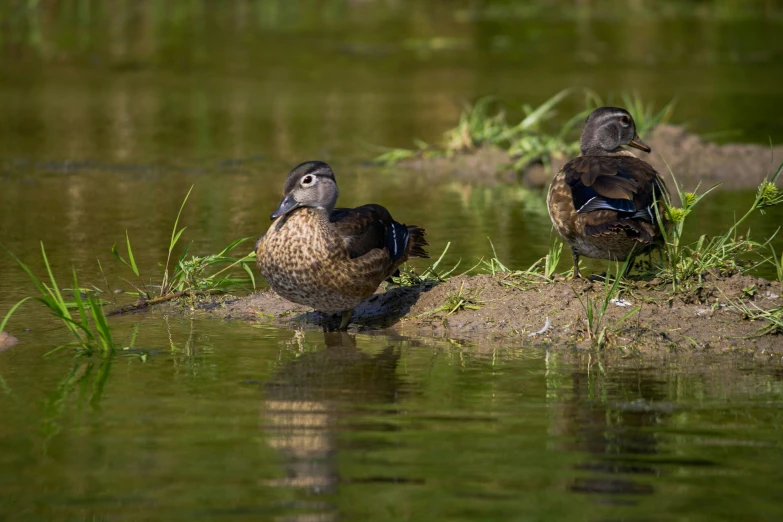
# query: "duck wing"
612,192
369,227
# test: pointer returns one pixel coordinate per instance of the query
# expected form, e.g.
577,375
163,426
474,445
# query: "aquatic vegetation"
89,328
726,253
485,123
189,277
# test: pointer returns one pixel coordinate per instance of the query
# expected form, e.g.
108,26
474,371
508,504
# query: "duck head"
607,129
310,184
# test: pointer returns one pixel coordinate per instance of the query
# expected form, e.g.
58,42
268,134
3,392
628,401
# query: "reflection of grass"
528,141
83,376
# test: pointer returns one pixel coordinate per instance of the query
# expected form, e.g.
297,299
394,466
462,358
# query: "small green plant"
777,262
724,253
542,271
529,141
595,308
460,300
751,311
431,275
485,123
191,276
394,156
552,258
494,265
89,328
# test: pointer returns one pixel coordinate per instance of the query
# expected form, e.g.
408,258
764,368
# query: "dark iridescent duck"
601,203
331,258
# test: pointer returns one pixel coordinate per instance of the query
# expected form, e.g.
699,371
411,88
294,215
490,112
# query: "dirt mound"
692,160
509,309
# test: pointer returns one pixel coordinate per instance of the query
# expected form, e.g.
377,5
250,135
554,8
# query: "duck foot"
346,319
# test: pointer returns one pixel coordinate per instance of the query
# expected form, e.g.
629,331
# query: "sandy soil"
510,310
692,160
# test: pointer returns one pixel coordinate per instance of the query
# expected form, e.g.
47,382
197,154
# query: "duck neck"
597,151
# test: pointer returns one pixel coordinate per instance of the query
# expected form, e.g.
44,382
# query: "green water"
110,111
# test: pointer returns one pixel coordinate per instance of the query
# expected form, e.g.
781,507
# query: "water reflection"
614,434
313,397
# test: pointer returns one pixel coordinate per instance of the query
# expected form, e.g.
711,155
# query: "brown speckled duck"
601,203
331,258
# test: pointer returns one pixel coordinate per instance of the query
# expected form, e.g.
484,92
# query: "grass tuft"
90,328
596,308
431,276
460,300
725,254
195,275
532,139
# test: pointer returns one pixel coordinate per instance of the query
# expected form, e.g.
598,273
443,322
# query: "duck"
331,259
606,203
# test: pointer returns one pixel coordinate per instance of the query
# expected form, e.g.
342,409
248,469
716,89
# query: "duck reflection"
615,432
309,399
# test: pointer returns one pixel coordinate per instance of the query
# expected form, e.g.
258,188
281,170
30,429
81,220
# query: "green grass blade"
99,318
541,111
130,255
175,238
231,247
80,305
10,313
247,269
55,288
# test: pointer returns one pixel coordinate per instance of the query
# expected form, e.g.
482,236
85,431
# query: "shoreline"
505,309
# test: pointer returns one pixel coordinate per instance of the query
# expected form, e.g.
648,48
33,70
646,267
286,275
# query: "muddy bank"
692,160
510,310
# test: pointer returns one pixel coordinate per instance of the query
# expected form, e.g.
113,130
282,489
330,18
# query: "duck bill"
637,143
287,205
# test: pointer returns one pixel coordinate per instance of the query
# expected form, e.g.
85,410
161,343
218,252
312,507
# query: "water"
112,110
230,421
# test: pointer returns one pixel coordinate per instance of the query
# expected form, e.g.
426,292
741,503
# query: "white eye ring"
308,180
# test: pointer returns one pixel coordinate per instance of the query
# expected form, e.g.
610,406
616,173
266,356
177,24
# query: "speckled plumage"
603,203
332,260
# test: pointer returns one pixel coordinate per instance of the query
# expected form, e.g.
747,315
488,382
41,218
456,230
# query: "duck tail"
416,242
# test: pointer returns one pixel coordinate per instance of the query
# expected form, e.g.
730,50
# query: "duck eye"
625,121
307,180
